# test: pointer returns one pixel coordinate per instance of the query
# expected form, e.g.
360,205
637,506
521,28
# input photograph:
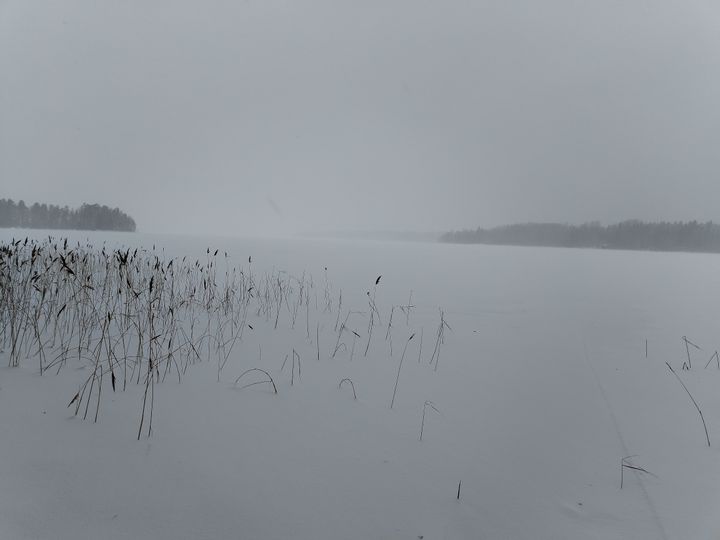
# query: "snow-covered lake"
543,386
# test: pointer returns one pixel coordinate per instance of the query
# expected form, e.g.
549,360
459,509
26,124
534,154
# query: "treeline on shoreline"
633,234
89,217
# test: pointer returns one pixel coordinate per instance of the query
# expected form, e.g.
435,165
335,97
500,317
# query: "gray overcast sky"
282,116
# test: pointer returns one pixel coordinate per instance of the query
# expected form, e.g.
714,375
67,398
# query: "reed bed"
132,317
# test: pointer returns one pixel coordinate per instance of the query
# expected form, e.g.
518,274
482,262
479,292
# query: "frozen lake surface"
543,386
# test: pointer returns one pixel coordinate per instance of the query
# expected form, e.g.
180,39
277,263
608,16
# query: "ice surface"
543,387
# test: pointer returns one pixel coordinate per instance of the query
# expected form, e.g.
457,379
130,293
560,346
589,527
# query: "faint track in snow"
626,452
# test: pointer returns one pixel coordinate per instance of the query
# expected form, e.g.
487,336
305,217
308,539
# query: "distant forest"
639,235
89,217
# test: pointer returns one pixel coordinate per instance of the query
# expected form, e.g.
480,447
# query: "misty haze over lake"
280,117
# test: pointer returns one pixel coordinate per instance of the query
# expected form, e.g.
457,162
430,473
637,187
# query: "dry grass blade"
625,463
269,378
707,436
713,357
397,378
422,423
352,385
